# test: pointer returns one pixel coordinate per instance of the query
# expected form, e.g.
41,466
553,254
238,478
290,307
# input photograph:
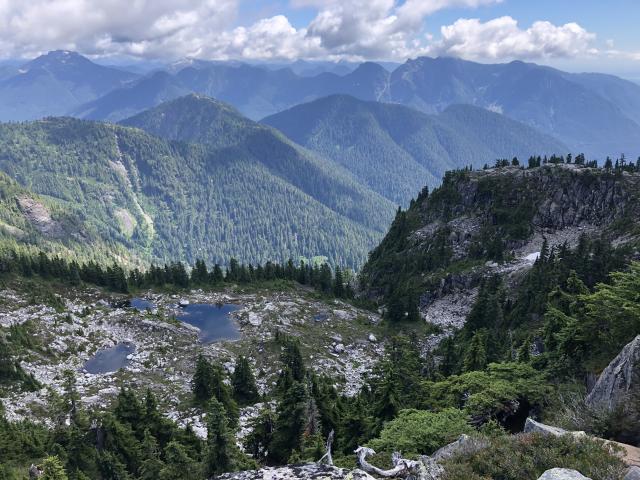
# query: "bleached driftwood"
327,457
401,466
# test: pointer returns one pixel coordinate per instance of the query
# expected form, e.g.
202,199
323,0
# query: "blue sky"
594,35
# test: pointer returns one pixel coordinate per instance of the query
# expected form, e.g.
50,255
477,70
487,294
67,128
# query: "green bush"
490,393
527,456
421,432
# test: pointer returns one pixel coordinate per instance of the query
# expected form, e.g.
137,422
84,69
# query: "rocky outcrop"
531,426
629,454
309,471
563,195
562,474
465,445
39,216
509,208
617,380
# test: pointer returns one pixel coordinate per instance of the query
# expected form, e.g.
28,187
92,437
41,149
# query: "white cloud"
502,39
375,28
341,29
269,38
138,27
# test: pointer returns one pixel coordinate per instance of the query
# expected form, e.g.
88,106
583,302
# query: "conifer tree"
178,464
202,380
245,391
128,408
70,391
290,424
52,469
475,357
338,284
218,457
151,465
387,395
7,365
524,353
258,442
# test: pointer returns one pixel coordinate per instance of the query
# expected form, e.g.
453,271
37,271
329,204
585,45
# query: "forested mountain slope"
496,258
396,150
51,225
498,215
221,129
170,201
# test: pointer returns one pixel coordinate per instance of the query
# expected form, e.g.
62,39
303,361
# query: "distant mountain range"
54,84
396,150
254,90
592,113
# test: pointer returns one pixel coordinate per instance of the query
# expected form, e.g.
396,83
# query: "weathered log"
402,467
327,456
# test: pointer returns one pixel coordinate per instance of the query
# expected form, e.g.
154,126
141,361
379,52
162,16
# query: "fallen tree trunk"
402,467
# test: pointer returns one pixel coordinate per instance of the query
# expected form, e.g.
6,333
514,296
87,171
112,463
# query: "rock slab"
632,474
617,379
562,474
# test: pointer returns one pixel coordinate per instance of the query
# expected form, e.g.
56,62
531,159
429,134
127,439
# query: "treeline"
336,282
621,164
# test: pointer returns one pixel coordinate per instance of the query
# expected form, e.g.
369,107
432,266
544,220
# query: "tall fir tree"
218,457
245,391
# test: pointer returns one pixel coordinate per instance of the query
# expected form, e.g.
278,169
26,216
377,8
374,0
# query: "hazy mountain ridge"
256,91
583,111
555,102
552,101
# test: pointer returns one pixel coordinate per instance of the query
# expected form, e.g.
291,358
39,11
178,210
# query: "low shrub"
527,456
421,432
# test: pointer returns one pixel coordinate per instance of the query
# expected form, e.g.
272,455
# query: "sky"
577,35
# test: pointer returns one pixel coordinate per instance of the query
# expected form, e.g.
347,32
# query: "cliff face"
479,223
562,195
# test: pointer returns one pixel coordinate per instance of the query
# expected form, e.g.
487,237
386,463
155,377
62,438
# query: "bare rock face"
617,379
562,474
39,216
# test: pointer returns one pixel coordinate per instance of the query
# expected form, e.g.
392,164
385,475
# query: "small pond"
110,359
214,321
141,304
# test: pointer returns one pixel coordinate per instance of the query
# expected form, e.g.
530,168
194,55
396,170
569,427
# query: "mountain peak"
59,57
369,68
193,117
